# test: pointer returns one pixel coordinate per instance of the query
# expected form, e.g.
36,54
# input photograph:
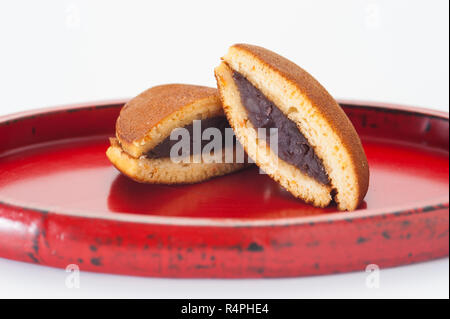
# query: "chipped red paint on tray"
62,202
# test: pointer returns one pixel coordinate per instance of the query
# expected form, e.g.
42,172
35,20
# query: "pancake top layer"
150,107
150,117
309,87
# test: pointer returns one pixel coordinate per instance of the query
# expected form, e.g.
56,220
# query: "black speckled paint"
35,242
406,223
361,240
428,209
255,247
96,261
33,258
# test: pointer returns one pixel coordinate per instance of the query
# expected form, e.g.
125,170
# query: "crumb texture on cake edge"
164,170
291,178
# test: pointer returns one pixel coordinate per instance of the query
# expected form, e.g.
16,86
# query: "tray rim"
418,206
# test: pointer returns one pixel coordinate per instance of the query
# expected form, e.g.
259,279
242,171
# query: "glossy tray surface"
62,202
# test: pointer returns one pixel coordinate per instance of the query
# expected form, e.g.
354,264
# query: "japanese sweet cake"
143,145
292,127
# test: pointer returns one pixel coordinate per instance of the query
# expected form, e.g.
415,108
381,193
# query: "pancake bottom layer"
164,170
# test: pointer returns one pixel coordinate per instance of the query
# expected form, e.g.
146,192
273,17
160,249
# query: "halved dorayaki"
319,155
142,146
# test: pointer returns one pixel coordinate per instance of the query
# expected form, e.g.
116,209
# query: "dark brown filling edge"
162,150
293,147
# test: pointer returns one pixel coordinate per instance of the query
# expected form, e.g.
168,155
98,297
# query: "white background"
60,52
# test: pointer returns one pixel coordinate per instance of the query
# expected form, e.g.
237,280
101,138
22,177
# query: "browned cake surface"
149,118
323,101
150,107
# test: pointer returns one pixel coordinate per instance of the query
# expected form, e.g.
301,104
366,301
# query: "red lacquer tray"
62,202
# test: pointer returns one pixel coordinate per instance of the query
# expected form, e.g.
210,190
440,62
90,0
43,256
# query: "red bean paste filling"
163,148
293,147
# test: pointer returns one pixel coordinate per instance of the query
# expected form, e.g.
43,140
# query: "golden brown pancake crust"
150,107
164,106
323,101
